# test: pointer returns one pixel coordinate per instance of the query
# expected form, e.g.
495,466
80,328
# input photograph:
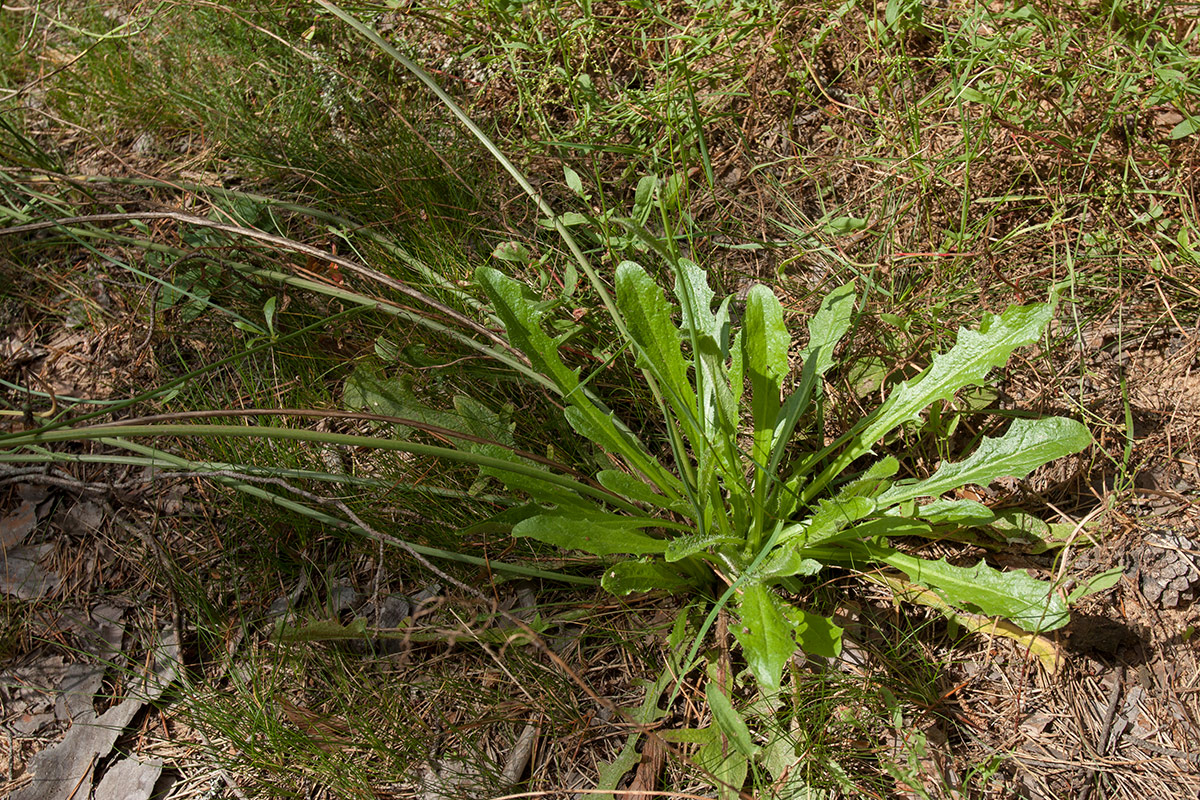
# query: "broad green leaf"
682,547
1015,595
705,735
728,720
873,482
1028,444
521,314
609,774
574,183
626,577
369,389
598,534
601,427
1185,128
708,334
1023,531
648,316
968,363
827,327
513,252
717,409
788,769
643,198
885,526
323,630
765,634
816,635
737,370
695,300
765,343
503,521
841,226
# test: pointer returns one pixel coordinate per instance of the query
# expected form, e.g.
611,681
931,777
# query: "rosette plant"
738,501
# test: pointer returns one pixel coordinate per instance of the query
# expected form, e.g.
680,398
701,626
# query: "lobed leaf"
631,487
784,562
1027,445
968,363
1031,603
956,512
765,634
682,547
648,318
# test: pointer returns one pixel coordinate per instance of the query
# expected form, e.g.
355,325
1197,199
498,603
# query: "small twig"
1114,700
518,758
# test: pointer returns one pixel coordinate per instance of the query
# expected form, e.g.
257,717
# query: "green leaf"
521,314
784,562
968,363
1028,444
872,482
643,198
1185,128
1024,531
626,577
682,547
831,517
765,343
1016,596
825,329
631,488
956,512
730,769
611,773
598,534
765,634
729,720
816,635
708,334
323,630
601,427
841,226
512,252
1096,583
573,181
648,317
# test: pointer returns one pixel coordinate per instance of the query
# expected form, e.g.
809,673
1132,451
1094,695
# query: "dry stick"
534,638
278,241
1110,713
